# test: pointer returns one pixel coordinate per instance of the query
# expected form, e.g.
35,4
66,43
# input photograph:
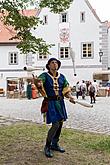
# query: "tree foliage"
13,15
56,6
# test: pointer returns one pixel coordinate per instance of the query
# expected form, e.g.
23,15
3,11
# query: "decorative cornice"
82,66
11,70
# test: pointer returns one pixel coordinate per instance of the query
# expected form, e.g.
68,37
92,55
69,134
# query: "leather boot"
56,147
48,152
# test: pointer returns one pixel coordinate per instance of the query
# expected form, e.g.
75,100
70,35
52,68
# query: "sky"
102,8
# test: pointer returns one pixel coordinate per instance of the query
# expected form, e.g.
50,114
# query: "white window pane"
13,58
64,17
64,52
87,50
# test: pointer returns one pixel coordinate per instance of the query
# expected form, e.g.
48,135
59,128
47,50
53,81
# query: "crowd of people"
32,92
87,88
22,89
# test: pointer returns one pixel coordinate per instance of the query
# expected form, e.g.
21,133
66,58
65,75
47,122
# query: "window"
13,58
45,19
82,16
42,56
87,50
64,52
64,17
29,59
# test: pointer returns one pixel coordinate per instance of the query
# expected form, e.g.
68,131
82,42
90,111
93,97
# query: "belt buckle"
58,97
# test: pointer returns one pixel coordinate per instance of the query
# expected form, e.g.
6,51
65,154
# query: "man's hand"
71,98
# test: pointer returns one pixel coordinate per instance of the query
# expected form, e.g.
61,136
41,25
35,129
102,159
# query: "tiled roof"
92,10
33,12
7,32
108,24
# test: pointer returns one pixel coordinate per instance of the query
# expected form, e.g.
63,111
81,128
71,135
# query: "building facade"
81,43
78,29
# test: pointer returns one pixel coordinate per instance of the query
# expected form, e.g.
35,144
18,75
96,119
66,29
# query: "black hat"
51,59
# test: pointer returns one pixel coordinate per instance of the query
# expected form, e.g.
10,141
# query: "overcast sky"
102,8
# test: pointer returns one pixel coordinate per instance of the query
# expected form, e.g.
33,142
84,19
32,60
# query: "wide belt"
56,97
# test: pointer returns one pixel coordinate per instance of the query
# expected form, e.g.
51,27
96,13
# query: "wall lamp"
100,55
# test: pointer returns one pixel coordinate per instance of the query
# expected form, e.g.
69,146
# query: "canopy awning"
102,75
16,79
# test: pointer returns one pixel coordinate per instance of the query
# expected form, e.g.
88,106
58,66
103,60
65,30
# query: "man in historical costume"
54,87
29,90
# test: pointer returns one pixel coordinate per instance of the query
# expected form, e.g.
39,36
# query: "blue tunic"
53,86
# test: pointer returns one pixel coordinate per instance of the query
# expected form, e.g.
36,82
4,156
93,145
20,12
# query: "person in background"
77,89
34,91
25,89
54,87
21,88
83,89
87,85
95,84
91,90
29,90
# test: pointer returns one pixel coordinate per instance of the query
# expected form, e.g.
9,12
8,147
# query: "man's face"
53,65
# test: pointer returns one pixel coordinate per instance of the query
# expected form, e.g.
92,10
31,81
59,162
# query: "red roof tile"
7,32
108,24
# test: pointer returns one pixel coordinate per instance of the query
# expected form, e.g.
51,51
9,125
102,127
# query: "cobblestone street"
96,119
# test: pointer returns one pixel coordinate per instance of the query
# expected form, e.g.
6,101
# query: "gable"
93,11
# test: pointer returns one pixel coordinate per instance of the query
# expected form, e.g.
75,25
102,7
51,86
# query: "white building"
78,29
11,61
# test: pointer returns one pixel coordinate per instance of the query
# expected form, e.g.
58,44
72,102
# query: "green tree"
23,24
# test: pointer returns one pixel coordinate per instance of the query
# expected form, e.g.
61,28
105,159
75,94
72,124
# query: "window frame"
29,59
45,19
44,56
61,17
88,50
82,16
64,55
9,58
